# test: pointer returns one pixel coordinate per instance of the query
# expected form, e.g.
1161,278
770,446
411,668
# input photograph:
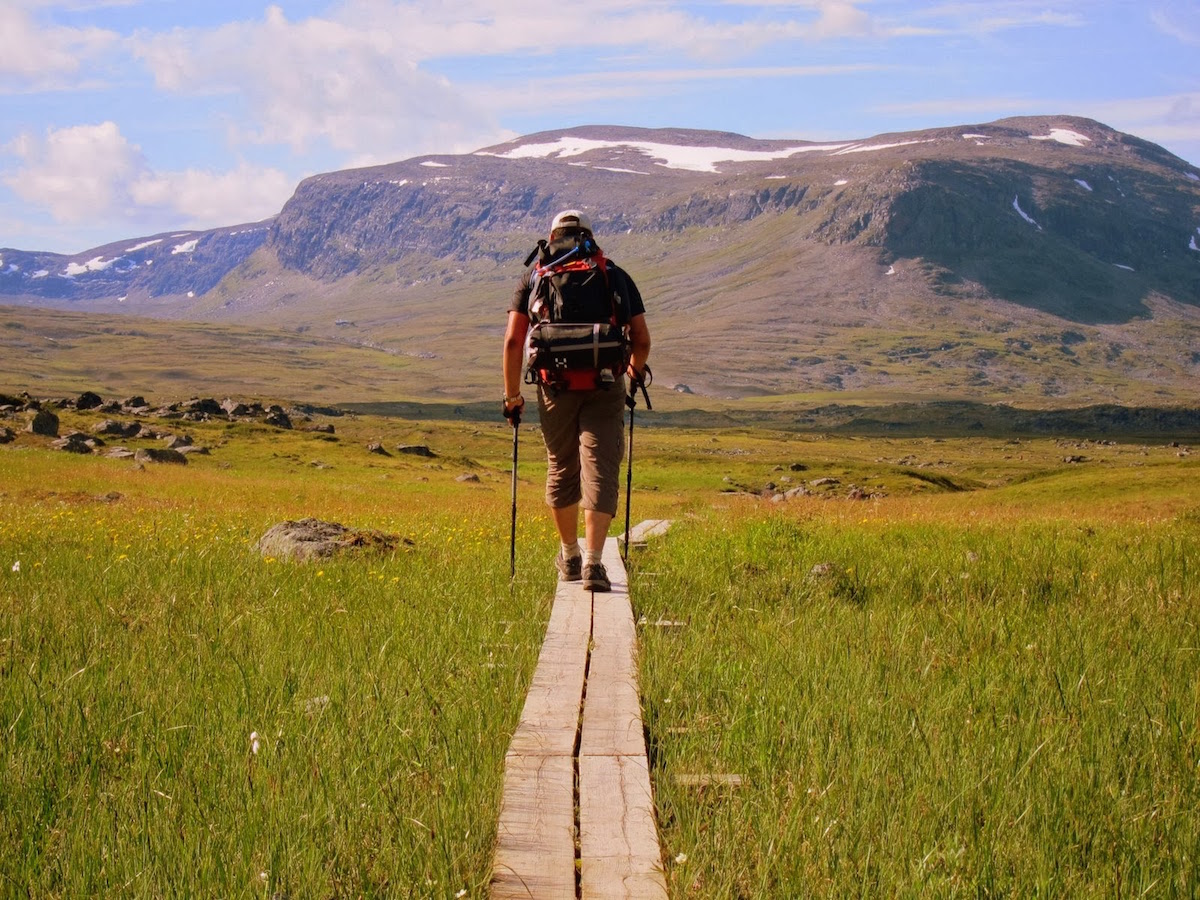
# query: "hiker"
580,394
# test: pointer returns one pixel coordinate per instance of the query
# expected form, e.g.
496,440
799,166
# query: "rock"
190,449
44,423
160,455
798,467
278,419
178,441
322,429
468,478
377,448
314,539
681,389
75,442
120,453
7,435
88,400
234,409
824,482
119,429
135,402
416,450
203,407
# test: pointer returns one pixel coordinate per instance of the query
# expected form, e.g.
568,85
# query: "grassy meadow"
981,677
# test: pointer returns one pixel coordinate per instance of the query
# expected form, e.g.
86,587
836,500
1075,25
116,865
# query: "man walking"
581,405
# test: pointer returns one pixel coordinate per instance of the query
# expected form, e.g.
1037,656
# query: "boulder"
77,442
278,419
135,402
7,435
315,539
178,441
88,400
119,429
468,478
44,423
160,455
377,448
416,450
323,429
203,406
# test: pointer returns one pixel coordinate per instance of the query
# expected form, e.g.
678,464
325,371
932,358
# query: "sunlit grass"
986,691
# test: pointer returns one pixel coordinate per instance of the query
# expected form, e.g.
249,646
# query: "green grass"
930,693
925,709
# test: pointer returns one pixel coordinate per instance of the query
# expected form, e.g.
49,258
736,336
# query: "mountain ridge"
821,265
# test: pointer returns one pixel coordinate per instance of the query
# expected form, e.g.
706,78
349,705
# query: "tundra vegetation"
870,666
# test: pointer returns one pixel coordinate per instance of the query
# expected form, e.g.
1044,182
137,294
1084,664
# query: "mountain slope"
1045,259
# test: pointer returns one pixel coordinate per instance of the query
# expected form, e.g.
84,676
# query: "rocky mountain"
1050,256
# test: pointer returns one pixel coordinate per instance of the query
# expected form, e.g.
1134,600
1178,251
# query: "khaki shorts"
585,439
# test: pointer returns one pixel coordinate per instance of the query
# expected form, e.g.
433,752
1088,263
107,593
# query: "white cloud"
1179,19
90,173
76,173
351,87
37,56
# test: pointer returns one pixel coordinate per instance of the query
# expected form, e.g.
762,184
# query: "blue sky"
120,118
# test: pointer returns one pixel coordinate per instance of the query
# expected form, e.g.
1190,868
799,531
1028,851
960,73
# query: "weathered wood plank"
535,841
612,715
619,851
644,530
550,718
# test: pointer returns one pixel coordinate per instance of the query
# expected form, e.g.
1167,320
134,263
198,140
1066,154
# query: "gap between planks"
589,657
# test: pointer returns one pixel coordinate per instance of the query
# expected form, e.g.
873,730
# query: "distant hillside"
1036,260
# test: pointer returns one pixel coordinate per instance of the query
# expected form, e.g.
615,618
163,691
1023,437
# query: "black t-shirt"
631,298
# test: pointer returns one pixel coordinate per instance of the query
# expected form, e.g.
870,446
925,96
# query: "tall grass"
184,717
990,692
925,709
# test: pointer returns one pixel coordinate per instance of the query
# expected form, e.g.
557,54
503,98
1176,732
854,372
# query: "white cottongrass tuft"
17,566
681,858
254,742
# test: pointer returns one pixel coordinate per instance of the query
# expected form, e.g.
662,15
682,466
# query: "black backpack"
578,339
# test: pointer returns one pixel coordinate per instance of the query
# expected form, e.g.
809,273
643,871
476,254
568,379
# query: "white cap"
571,218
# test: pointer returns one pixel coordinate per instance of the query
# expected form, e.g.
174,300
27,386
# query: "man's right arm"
514,357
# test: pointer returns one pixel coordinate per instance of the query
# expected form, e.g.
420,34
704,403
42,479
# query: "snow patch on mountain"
185,247
143,245
671,156
1063,136
1024,215
1083,184
867,148
96,264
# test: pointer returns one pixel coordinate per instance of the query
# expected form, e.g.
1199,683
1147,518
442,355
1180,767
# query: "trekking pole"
631,401
514,416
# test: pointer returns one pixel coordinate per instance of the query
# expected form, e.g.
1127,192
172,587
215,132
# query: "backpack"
578,340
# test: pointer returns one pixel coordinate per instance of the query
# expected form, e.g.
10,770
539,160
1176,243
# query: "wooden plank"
535,841
612,715
618,837
550,718
646,529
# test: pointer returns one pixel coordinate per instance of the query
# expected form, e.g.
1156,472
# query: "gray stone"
315,539
118,429
77,442
7,435
416,450
160,455
468,478
88,400
377,448
44,423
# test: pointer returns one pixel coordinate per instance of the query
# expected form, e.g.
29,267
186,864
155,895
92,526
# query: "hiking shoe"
596,578
569,569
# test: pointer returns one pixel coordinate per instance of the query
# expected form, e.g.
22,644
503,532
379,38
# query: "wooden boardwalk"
577,817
